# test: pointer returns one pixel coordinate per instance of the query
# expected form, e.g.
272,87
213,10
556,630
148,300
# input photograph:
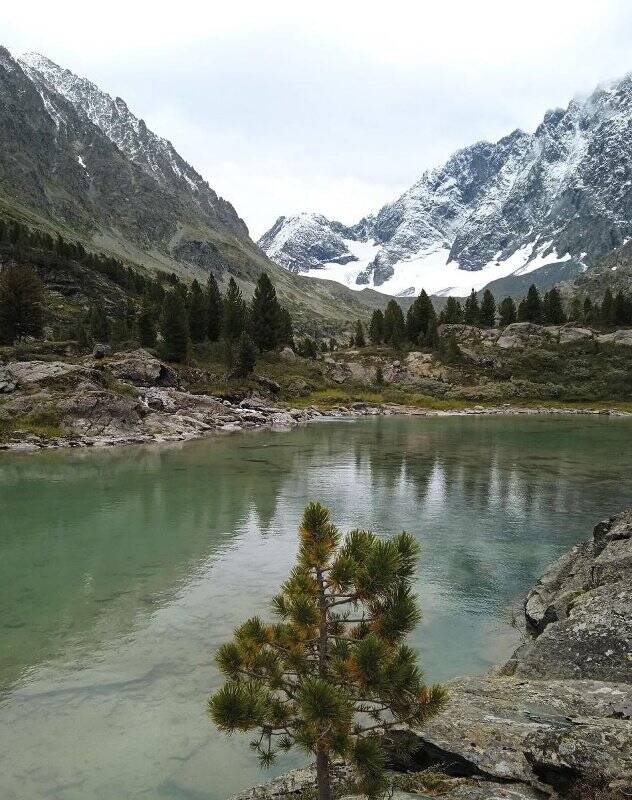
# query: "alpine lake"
122,571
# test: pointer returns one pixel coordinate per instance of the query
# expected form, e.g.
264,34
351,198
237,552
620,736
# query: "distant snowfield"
431,271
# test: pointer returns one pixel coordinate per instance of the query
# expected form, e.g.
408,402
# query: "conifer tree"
589,313
265,315
234,314
622,309
530,309
507,312
359,339
488,310
452,313
607,310
419,315
394,324
197,311
576,312
146,323
214,309
246,356
286,327
472,313
376,327
174,327
552,308
334,672
21,303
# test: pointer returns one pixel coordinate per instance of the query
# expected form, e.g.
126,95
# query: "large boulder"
520,335
29,373
7,382
571,335
511,729
462,333
142,369
623,338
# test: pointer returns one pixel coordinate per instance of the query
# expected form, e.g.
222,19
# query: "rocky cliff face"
563,192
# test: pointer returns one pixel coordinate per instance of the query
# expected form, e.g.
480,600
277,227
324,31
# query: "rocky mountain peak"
494,209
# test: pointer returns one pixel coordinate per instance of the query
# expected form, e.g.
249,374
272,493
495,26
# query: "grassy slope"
318,306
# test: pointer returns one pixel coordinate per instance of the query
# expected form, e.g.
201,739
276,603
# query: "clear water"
122,571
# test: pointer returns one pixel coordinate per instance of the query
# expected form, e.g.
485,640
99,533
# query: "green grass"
45,424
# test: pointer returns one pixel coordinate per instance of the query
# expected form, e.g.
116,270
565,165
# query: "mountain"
562,193
75,161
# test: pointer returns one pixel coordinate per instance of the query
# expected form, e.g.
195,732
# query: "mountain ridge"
79,163
493,209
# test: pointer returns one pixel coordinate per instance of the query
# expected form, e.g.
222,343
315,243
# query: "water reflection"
121,572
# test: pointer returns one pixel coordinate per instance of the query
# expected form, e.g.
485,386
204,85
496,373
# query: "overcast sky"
325,106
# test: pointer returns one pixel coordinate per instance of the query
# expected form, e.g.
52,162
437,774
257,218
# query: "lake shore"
134,398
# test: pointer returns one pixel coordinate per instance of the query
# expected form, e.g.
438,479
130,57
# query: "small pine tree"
235,313
394,325
174,327
360,341
507,312
589,314
197,311
246,356
488,310
265,315
452,313
379,375
214,309
21,303
334,672
472,313
376,327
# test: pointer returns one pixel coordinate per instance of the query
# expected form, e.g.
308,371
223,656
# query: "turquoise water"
121,572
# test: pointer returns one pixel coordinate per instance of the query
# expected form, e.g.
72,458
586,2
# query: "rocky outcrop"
580,610
524,335
408,370
556,721
142,369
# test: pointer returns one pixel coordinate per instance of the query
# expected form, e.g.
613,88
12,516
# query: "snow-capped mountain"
561,193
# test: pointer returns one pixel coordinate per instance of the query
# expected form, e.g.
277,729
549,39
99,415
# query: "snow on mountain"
493,209
155,155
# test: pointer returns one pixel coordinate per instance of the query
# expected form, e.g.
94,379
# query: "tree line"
162,308
419,325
